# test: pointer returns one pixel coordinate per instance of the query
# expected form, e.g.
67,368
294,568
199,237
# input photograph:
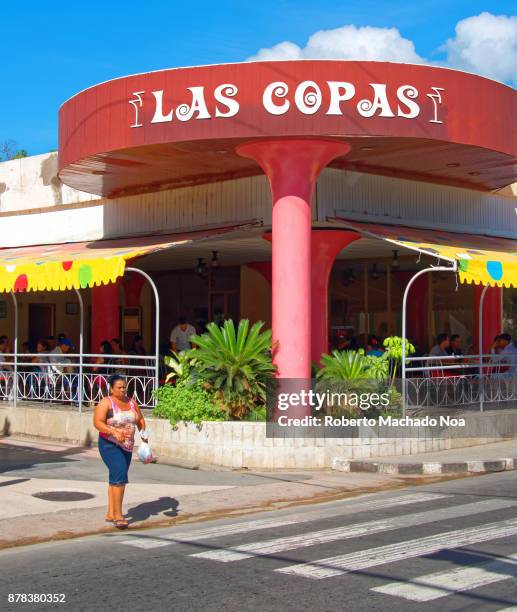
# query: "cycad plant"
343,365
350,372
234,364
352,365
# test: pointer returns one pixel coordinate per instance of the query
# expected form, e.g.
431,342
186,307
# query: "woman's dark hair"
112,380
106,347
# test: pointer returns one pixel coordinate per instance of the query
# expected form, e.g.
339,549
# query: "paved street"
451,545
55,491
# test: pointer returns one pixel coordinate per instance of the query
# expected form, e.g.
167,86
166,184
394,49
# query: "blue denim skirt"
117,461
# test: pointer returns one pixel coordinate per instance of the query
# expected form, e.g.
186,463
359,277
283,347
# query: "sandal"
120,523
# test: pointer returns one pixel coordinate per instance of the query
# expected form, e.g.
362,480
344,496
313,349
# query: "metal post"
81,349
157,326
15,349
452,268
480,333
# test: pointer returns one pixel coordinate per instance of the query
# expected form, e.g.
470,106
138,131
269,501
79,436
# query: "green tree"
21,153
9,150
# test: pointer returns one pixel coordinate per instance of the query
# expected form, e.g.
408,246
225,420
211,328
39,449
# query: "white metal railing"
75,378
70,380
460,380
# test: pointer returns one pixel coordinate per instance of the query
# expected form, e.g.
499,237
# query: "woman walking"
116,418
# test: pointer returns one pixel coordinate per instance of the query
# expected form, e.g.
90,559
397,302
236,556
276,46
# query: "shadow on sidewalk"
13,457
8,483
168,506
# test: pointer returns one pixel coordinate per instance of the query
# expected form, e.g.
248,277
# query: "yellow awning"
79,265
482,260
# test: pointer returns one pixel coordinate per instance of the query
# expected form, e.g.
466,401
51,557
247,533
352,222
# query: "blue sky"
51,50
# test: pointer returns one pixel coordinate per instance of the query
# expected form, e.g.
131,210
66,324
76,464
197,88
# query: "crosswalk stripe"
356,530
372,503
146,543
381,555
441,584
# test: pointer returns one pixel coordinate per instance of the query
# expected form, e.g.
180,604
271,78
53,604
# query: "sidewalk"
157,494
496,457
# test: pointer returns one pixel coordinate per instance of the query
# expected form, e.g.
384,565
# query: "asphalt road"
448,546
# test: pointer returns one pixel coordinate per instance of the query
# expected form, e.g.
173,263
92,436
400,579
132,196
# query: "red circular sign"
181,126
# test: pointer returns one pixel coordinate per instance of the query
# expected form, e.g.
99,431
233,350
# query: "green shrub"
393,351
183,402
181,365
234,365
256,414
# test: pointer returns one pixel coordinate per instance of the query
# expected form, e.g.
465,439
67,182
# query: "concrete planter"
242,445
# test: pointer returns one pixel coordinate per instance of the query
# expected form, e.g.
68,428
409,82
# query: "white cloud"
283,51
485,44
348,42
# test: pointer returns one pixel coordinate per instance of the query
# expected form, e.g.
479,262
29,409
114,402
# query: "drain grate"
63,496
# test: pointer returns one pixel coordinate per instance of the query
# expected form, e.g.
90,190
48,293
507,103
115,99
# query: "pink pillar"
326,245
105,314
292,167
133,288
492,316
417,307
262,267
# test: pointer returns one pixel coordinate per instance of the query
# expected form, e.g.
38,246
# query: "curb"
425,468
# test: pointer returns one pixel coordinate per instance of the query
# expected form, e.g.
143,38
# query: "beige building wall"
32,182
255,296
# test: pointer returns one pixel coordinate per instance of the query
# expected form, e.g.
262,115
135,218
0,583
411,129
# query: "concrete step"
408,466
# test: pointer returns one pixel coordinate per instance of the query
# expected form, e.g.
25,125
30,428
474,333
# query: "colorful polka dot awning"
484,260
78,265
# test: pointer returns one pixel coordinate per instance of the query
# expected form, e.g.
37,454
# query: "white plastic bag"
145,453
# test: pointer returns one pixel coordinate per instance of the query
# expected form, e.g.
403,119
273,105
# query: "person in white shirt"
60,363
63,370
180,336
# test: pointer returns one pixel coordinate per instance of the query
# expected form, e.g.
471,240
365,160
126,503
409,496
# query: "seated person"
373,348
506,355
439,350
456,350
